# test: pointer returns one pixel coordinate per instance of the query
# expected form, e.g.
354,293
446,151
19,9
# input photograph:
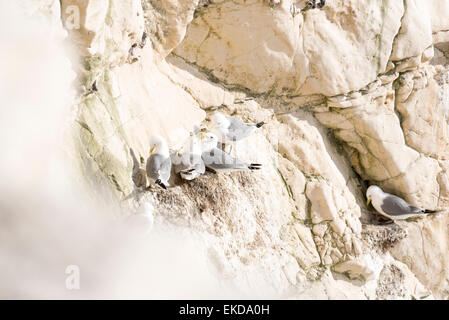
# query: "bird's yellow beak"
212,128
202,135
368,201
152,150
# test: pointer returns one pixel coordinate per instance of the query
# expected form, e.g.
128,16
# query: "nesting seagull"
159,162
392,206
189,164
220,161
139,174
233,129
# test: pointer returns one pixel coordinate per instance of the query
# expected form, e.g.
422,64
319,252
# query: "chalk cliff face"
353,93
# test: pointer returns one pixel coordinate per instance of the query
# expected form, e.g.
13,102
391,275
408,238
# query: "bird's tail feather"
432,211
255,166
209,169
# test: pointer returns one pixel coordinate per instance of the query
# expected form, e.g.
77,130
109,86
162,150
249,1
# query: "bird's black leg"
254,166
211,170
159,182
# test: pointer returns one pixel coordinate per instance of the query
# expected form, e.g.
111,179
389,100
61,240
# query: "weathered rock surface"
353,93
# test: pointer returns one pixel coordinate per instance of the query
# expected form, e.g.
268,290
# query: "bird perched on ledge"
159,162
219,161
233,129
392,206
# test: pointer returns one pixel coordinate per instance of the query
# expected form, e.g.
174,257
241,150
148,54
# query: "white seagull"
218,160
159,162
392,206
231,128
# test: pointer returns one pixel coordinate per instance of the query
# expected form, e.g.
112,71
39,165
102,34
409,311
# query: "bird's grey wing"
396,206
165,169
153,165
238,129
220,160
189,162
158,167
235,122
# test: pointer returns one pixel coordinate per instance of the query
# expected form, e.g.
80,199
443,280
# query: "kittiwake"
218,160
159,162
392,206
188,163
231,128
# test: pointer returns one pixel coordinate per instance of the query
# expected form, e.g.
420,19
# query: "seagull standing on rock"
159,162
392,206
219,161
233,129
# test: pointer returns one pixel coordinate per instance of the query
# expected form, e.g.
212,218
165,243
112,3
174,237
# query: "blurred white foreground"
53,237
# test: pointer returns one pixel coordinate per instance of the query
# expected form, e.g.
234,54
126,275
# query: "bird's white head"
371,192
220,121
159,146
208,141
